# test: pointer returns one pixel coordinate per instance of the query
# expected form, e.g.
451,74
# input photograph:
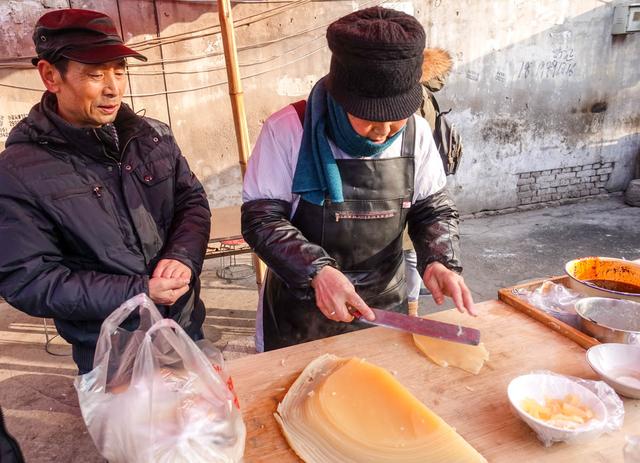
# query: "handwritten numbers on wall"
561,65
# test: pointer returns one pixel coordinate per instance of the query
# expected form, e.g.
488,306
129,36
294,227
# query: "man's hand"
171,268
167,291
335,295
170,280
444,282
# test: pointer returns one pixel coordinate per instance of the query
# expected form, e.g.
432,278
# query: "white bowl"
619,366
539,386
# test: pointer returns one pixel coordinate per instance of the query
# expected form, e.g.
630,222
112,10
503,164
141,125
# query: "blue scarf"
317,174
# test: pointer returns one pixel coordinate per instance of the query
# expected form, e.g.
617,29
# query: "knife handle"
353,311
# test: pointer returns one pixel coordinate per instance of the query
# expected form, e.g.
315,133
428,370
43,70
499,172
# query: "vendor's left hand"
444,282
171,268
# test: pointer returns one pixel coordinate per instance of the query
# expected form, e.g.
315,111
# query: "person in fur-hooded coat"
435,68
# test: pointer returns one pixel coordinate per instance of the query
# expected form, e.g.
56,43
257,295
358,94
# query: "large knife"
423,326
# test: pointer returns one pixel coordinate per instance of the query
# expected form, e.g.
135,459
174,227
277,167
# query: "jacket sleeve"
33,274
191,224
285,250
433,227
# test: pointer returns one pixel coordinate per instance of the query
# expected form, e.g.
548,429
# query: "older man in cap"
329,189
97,204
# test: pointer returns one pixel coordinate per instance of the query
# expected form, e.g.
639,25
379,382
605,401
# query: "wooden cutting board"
477,406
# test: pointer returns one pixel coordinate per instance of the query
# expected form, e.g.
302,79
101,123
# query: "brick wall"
540,186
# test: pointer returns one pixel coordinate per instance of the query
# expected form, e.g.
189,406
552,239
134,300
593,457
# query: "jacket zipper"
124,199
106,154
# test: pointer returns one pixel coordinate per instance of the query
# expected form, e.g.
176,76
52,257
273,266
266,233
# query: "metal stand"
48,339
233,271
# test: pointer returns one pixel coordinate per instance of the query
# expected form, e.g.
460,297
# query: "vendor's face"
89,95
377,132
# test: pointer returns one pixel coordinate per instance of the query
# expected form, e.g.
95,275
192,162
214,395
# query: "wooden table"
477,406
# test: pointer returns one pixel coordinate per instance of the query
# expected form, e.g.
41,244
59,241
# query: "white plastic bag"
154,396
632,449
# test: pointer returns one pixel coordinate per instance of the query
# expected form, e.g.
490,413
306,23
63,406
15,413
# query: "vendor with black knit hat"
330,188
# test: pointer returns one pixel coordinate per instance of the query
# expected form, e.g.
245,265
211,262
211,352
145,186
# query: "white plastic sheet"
632,449
596,394
557,300
154,396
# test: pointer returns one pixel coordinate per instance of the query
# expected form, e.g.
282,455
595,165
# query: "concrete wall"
539,88
545,98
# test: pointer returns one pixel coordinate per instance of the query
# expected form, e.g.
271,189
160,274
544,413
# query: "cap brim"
103,53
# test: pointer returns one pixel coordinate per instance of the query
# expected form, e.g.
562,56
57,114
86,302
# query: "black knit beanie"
376,64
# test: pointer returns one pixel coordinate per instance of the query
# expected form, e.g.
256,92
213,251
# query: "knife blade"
423,326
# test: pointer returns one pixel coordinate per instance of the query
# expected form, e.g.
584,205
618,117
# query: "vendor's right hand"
166,291
335,295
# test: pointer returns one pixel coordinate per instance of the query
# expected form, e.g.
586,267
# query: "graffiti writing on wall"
473,75
561,64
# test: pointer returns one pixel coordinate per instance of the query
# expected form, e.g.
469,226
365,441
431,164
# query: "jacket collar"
44,126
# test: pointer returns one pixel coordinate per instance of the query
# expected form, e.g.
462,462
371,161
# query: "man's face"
377,132
89,95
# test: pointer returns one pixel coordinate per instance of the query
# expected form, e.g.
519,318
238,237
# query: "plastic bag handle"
148,312
192,357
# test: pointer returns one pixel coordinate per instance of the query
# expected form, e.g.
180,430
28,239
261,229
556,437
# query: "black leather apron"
363,234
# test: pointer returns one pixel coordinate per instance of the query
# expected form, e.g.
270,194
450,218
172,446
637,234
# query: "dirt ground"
36,388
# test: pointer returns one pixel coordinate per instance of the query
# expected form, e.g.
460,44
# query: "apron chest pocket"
364,215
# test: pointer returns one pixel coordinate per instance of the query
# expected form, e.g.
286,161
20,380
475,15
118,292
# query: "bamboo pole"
237,102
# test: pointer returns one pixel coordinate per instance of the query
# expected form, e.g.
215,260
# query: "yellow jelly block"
349,410
448,353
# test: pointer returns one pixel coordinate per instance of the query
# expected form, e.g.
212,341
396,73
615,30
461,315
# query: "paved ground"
36,389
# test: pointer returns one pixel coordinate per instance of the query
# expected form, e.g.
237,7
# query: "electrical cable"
203,87
140,46
220,68
9,65
165,40
186,90
171,92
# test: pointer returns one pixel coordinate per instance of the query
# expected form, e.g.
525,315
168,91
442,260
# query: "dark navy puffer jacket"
81,230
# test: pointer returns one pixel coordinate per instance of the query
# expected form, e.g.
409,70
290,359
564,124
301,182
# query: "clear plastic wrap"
557,300
154,396
597,395
632,449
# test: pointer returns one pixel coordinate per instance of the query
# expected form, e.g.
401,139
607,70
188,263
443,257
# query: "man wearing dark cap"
330,188
97,204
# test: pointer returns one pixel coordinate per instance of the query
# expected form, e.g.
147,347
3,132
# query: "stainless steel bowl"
610,320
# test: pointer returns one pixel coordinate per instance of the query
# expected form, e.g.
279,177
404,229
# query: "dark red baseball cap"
85,36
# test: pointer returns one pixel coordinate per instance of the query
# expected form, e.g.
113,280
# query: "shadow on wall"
562,97
134,18
543,102
223,187
184,82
